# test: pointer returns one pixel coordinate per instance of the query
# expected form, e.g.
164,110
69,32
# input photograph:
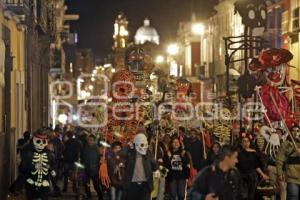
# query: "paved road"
65,195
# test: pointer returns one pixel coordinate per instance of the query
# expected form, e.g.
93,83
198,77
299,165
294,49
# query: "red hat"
270,58
291,121
42,133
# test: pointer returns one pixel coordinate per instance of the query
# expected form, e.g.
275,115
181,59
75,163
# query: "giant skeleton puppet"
273,64
253,14
120,126
254,17
37,166
128,89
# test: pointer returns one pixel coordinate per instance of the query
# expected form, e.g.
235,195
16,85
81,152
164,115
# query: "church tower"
120,40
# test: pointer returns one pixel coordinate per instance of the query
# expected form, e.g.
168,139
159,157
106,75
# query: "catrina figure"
37,166
273,62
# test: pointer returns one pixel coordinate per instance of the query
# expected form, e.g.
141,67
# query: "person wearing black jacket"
91,161
37,167
177,161
140,165
116,169
213,154
219,181
249,166
58,149
22,145
194,146
71,153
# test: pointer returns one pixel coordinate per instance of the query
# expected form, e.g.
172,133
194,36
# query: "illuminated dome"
146,33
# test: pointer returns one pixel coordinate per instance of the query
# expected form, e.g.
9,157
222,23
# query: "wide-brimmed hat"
270,58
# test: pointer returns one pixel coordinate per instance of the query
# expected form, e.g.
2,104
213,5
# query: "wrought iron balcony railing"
20,7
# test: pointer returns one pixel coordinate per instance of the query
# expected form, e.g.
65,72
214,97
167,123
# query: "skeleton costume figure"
36,165
140,165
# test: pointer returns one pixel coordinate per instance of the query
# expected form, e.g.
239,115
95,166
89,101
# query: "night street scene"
150,99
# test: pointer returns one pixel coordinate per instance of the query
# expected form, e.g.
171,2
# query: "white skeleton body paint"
41,163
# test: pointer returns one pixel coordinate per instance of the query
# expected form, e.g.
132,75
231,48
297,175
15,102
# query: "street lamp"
62,118
159,59
91,87
173,49
198,29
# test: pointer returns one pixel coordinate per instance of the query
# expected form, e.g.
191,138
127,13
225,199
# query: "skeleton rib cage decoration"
252,13
40,162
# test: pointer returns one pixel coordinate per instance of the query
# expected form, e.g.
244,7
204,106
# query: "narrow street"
151,99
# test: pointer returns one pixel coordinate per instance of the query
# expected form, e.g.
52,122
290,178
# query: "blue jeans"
115,194
293,191
178,189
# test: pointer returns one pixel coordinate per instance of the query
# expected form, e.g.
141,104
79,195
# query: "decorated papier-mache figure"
37,167
184,89
223,127
123,86
135,61
273,62
253,12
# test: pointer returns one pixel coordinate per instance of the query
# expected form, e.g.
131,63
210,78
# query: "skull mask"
135,61
225,115
253,12
276,75
183,86
296,133
141,143
40,142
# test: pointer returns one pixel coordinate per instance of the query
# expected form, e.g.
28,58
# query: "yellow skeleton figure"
222,128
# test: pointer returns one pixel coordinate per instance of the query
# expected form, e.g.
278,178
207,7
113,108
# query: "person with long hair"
249,166
213,154
178,163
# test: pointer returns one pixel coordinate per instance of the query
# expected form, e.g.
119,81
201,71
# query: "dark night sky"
95,26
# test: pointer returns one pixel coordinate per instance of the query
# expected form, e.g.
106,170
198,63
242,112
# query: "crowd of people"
164,164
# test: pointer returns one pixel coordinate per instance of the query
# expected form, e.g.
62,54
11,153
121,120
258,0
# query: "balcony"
19,7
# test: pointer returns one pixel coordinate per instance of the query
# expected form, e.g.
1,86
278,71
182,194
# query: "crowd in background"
180,155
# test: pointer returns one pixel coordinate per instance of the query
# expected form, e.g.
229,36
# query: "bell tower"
120,40
120,32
